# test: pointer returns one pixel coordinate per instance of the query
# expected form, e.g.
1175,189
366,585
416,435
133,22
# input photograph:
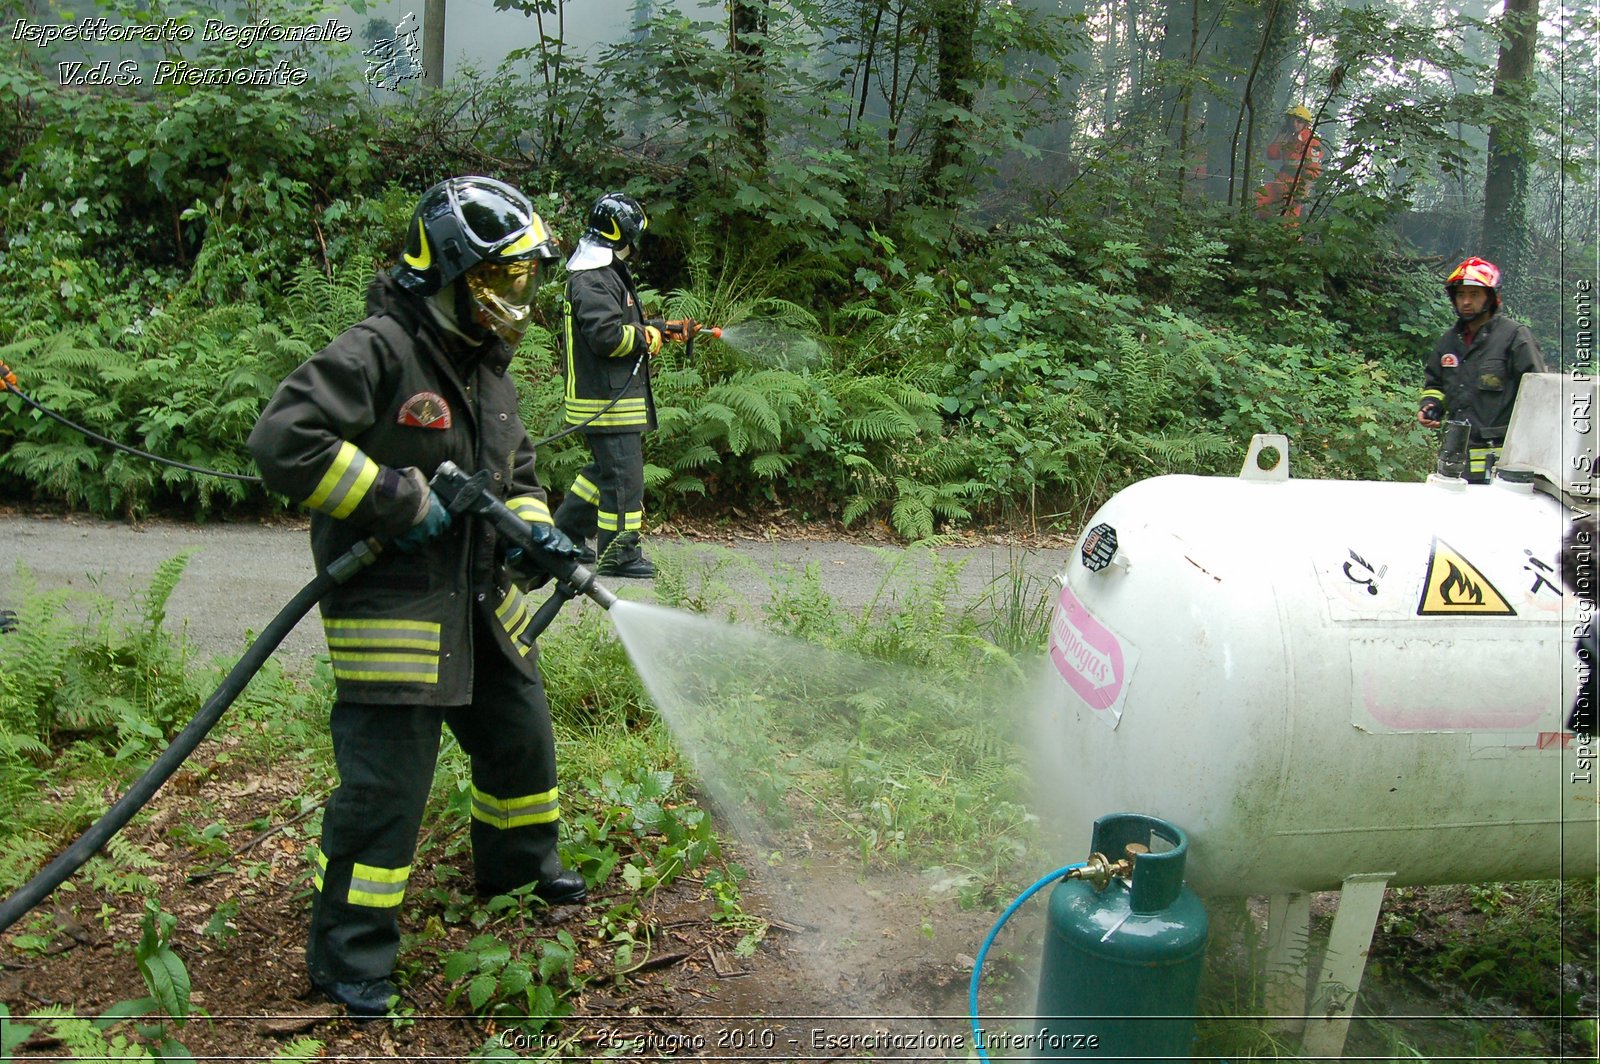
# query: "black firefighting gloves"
547,540
430,528
1431,411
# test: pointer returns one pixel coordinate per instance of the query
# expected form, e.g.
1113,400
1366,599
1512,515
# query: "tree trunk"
1239,179
433,44
748,40
1110,69
1505,203
950,154
868,54
1173,88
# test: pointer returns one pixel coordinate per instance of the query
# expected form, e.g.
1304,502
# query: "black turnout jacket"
396,392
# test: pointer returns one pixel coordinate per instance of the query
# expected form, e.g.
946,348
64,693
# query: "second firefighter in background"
608,349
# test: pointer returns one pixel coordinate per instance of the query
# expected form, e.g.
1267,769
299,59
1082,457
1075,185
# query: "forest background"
990,262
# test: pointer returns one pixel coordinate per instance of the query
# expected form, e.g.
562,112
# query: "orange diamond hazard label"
1455,587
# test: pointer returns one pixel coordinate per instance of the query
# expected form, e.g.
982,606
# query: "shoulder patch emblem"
425,410
1450,361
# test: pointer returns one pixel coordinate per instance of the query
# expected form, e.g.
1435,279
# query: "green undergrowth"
1485,971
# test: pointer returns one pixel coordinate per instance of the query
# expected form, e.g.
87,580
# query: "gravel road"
240,575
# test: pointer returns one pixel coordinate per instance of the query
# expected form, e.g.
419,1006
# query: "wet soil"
844,959
852,965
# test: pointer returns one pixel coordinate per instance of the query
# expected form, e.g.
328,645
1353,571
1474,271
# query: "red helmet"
1473,273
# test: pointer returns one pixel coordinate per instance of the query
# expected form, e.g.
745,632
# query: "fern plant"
98,679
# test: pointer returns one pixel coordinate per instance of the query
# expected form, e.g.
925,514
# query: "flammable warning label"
1455,587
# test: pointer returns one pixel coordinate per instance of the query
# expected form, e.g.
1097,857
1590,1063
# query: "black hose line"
144,788
6,385
463,494
592,418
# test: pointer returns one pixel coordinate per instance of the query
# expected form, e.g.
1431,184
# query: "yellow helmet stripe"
616,231
423,261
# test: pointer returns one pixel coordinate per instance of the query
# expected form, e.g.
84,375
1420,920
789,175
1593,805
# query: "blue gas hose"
977,966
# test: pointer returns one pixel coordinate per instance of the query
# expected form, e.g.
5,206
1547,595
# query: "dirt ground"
851,967
805,987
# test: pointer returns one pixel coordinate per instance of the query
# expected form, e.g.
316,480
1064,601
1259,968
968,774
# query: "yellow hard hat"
1300,112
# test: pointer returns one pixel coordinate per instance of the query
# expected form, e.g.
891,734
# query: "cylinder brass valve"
1100,870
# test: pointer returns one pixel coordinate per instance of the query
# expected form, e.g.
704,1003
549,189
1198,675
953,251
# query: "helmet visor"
504,293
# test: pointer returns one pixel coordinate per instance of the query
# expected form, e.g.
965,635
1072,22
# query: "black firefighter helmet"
616,221
483,230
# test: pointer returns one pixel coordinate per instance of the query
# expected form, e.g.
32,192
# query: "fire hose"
461,494
8,383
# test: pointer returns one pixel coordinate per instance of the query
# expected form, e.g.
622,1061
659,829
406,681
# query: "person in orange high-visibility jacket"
1298,153
436,630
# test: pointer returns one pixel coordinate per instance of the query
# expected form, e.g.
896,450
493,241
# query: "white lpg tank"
1316,679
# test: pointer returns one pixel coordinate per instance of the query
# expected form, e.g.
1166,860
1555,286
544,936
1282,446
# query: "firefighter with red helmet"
1298,153
436,630
1478,364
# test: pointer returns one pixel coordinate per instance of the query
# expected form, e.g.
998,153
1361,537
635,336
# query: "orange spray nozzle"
682,329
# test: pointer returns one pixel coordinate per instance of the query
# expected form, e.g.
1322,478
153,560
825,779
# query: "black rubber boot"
564,888
620,556
367,1000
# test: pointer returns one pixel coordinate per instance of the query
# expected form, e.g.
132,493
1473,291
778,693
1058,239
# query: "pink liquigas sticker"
1092,659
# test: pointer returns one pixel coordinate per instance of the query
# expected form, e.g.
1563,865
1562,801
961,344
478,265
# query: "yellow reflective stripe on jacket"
584,489
377,888
566,326
530,508
1433,393
346,482
542,808
513,615
1478,457
383,651
625,347
626,412
592,406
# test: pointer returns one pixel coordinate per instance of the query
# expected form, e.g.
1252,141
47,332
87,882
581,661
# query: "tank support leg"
1334,998
1288,944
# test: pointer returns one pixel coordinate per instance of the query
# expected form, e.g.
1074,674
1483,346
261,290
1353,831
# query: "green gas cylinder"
1123,949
